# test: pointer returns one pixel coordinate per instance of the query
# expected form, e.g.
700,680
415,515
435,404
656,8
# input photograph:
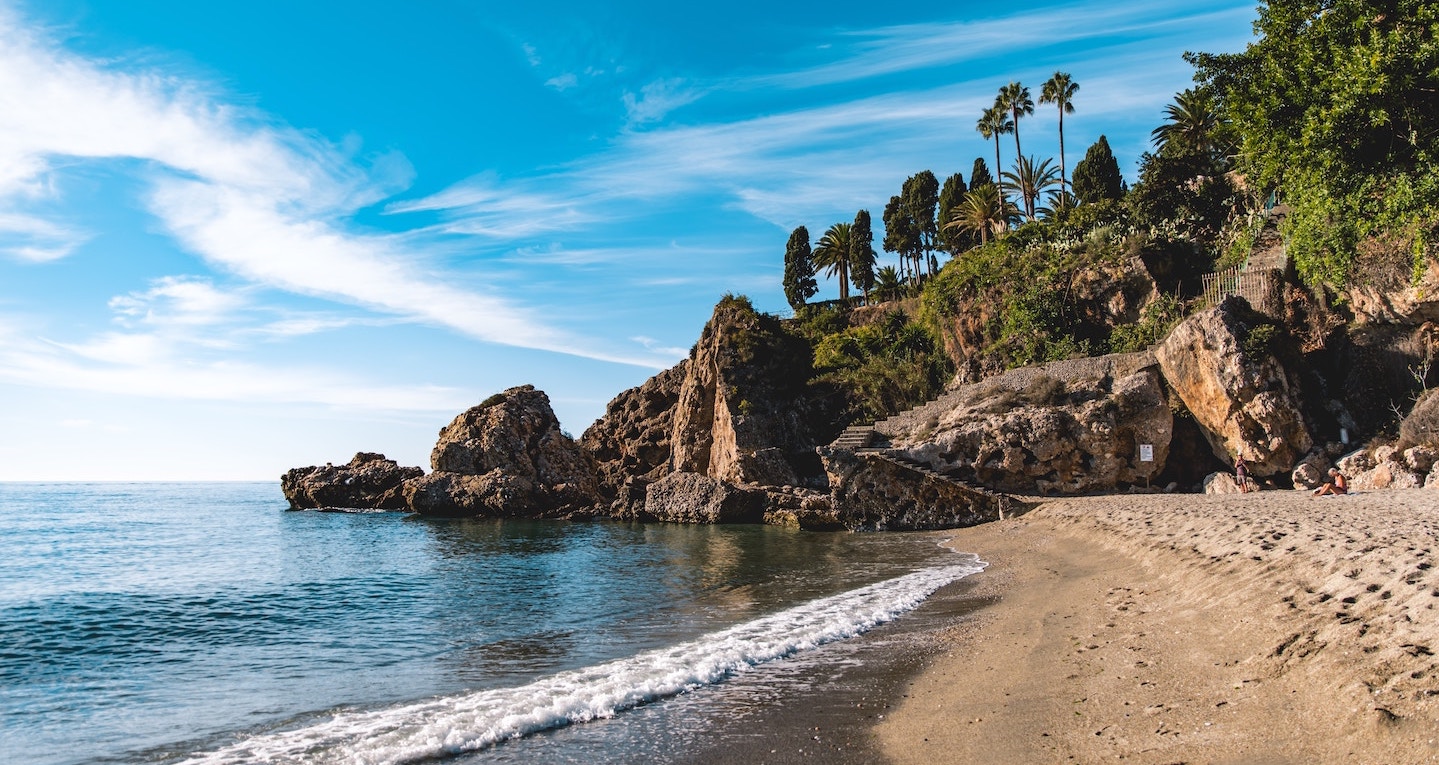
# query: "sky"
239,237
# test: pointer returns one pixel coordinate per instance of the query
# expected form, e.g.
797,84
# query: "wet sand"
1272,627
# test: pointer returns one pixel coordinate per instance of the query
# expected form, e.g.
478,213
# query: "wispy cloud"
861,54
657,99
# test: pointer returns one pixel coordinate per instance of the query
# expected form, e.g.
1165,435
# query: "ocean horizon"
168,622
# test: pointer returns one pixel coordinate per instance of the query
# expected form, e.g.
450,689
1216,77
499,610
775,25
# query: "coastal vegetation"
1330,115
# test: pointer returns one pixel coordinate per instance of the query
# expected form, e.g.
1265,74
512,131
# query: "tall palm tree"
1059,90
1014,98
994,123
1192,122
1031,180
982,210
832,254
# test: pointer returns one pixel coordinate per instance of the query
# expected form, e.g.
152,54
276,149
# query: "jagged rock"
1356,462
1311,472
506,457
736,410
1386,475
1246,403
630,444
1401,301
870,493
1223,483
1036,433
693,498
1420,459
369,481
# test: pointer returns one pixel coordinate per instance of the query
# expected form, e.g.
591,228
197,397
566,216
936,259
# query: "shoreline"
1265,627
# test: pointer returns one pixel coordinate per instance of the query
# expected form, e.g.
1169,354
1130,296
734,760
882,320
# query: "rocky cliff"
738,410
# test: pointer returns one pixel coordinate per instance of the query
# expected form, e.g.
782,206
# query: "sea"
207,623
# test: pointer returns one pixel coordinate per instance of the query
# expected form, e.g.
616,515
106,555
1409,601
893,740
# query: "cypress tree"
954,239
1097,177
799,281
861,254
979,175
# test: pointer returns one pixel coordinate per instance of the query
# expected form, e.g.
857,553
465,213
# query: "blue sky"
237,237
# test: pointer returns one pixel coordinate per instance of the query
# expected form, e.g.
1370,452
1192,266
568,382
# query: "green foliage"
950,196
1097,177
1259,342
1022,282
1185,192
799,281
979,175
861,253
883,367
1154,324
495,400
832,254
1334,105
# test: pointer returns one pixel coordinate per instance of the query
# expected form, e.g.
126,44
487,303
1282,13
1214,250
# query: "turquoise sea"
205,623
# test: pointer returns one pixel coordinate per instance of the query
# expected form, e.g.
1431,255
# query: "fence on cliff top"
1259,287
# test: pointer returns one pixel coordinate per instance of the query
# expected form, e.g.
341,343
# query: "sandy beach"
1271,627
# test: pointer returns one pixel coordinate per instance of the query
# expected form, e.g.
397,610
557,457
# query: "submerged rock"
369,481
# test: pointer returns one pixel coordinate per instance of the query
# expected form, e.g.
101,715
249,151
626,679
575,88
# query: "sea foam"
468,722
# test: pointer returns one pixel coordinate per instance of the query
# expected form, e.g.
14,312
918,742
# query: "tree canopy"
1097,177
1336,106
799,281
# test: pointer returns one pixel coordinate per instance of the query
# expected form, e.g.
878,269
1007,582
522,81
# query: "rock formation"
369,481
735,411
1065,427
1241,395
506,457
693,498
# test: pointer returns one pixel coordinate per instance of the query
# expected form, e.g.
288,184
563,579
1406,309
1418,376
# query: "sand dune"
1262,628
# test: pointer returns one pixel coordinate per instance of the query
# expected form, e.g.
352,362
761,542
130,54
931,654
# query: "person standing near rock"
1241,473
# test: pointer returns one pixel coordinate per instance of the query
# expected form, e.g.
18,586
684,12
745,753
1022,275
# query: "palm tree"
888,284
982,210
1060,203
1014,98
1193,122
832,254
993,124
1059,90
1031,180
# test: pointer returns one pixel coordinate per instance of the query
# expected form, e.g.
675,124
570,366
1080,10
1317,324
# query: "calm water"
203,623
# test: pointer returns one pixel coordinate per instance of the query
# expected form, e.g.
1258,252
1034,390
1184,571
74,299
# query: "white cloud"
655,346
657,99
266,201
178,300
563,82
34,239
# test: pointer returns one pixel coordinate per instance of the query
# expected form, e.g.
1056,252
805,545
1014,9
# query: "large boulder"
506,457
630,444
369,481
693,498
1218,363
1060,429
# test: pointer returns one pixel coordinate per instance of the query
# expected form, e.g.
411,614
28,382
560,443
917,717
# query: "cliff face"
737,410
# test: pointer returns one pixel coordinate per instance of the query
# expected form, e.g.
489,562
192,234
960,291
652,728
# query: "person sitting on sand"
1241,473
1337,484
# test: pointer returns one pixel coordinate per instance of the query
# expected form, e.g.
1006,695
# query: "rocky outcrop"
1062,428
873,491
737,410
506,457
693,498
1392,295
1247,403
369,481
800,508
